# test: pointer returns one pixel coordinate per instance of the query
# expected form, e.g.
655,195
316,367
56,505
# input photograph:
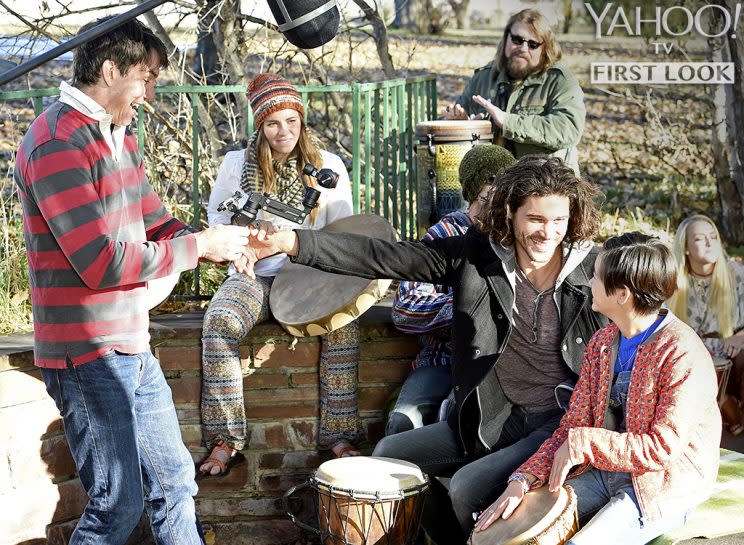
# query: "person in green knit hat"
426,309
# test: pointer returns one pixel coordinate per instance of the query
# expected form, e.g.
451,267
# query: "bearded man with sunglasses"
535,104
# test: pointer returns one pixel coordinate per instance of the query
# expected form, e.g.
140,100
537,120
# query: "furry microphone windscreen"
306,23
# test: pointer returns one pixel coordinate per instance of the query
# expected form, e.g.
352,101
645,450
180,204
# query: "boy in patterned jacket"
643,427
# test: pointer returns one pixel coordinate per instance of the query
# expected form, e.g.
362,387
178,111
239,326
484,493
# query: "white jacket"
333,204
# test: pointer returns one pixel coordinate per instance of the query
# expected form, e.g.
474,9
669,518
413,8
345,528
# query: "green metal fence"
383,118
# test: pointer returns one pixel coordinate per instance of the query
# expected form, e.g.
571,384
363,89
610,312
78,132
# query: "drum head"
454,130
309,302
721,363
538,510
370,475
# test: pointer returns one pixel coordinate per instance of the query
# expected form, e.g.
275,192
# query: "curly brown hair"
540,176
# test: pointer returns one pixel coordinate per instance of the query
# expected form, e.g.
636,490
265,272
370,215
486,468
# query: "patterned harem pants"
239,304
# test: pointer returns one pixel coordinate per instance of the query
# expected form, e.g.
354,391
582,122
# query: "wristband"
522,479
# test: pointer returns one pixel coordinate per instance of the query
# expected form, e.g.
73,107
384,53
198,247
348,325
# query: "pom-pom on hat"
270,93
479,164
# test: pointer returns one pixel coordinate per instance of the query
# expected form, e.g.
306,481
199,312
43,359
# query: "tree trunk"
403,14
460,10
228,38
728,141
205,61
567,15
379,31
422,16
729,199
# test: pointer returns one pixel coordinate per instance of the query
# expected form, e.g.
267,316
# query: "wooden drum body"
543,518
441,147
309,302
365,500
723,371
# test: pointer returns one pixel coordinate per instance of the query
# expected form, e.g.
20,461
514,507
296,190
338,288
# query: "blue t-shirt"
628,349
626,355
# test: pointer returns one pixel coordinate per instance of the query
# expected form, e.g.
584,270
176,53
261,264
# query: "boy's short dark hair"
643,264
127,45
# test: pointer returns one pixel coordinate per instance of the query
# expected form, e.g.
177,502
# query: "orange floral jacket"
672,418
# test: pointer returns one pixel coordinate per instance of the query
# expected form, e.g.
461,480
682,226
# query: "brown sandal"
224,467
344,449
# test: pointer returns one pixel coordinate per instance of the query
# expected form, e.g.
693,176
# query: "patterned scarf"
288,187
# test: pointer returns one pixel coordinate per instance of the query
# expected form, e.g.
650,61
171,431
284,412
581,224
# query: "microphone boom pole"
88,35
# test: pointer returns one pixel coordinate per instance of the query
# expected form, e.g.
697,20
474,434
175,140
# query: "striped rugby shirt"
95,232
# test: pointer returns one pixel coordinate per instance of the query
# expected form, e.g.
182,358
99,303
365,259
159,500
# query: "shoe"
344,449
223,456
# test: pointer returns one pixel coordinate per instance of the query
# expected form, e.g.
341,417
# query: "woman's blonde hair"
721,302
306,151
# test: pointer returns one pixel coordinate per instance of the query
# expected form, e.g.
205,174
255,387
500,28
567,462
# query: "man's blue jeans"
419,400
123,433
609,513
476,481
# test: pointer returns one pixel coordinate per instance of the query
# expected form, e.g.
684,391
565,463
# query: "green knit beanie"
479,164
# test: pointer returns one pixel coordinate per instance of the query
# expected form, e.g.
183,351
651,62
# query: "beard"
522,70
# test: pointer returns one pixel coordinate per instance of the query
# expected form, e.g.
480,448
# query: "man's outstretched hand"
261,245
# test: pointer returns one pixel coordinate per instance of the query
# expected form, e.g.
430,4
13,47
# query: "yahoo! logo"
634,21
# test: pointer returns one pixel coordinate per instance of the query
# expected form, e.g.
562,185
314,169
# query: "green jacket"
545,113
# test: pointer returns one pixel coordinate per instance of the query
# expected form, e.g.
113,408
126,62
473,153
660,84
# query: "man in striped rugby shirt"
95,234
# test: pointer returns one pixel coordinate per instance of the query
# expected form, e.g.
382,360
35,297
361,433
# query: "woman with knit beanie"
272,162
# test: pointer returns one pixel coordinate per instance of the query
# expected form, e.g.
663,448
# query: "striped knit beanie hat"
270,93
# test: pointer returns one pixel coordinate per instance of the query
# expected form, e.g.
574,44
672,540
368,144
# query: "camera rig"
246,215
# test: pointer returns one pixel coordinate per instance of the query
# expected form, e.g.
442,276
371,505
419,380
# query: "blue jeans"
609,513
123,433
476,481
419,399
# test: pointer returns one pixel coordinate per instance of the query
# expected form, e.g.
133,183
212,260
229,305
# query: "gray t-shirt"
531,365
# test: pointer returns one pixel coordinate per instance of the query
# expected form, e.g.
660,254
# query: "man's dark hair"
643,264
127,45
540,176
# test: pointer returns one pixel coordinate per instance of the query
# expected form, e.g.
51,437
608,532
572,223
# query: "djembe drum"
723,372
308,302
365,500
441,147
728,405
543,518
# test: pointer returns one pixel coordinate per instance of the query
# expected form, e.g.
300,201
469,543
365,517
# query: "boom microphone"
306,23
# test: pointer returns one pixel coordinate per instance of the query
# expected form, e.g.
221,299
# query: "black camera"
263,201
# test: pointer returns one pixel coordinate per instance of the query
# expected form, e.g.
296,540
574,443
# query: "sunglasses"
518,41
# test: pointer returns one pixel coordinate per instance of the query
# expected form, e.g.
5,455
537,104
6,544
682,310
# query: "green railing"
383,118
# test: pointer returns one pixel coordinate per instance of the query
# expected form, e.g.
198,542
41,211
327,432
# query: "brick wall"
41,498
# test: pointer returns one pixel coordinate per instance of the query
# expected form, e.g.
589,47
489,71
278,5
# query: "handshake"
244,246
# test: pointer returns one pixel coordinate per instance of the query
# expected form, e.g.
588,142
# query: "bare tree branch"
29,24
379,31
